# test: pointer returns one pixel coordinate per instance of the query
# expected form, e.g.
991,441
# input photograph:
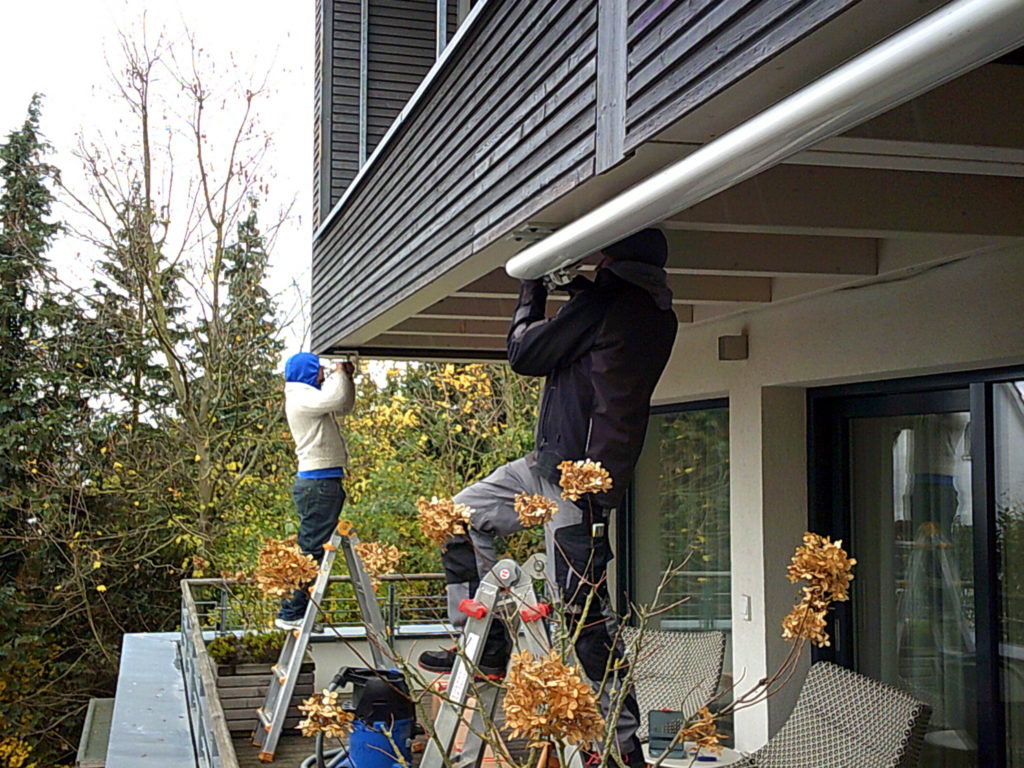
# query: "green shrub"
249,648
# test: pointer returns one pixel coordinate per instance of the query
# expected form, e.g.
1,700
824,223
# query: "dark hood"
647,276
303,368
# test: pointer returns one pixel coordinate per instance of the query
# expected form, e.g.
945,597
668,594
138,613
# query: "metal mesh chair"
674,670
844,719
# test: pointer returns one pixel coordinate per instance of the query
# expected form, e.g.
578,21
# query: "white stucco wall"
966,314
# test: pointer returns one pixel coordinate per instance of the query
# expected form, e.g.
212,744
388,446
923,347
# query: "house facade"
850,357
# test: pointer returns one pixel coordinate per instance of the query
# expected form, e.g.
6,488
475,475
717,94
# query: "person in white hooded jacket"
314,402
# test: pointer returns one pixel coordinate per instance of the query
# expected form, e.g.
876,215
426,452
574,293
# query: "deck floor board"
292,749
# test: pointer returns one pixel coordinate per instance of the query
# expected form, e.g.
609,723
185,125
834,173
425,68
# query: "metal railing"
228,606
211,738
406,600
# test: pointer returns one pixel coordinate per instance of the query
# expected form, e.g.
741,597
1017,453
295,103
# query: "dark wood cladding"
321,126
337,161
510,124
507,129
683,52
400,51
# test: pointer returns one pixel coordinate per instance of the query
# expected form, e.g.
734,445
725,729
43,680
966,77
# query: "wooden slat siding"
344,99
464,101
682,54
453,18
403,185
496,127
320,205
423,144
401,52
532,135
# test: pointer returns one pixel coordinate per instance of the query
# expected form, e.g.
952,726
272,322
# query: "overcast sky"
61,47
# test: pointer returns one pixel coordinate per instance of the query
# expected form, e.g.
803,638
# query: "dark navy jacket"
602,356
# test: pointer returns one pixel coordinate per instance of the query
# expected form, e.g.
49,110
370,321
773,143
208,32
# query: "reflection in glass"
682,492
1008,445
914,592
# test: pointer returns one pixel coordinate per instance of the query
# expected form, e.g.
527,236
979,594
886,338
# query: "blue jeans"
319,505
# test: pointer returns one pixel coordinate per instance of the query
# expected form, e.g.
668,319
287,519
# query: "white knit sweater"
312,418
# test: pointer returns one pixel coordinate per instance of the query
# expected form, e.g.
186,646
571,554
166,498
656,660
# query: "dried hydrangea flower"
323,714
440,519
547,700
702,731
807,620
282,567
534,509
378,559
824,565
582,477
827,569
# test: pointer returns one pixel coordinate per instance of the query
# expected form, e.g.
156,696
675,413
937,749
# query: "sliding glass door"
927,489
1007,491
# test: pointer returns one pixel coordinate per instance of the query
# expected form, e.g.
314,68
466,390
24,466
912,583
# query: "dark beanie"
648,246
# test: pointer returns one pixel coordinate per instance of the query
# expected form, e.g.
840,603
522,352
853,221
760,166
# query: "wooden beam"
983,109
437,341
686,289
902,155
735,253
464,309
462,327
458,308
793,199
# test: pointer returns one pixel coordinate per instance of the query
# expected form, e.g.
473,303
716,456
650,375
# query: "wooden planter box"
243,687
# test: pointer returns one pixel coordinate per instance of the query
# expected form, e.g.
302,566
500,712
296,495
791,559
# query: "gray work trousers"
576,566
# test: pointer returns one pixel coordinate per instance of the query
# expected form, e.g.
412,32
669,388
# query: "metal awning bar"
949,42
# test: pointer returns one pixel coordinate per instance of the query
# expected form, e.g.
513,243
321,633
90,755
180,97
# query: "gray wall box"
733,347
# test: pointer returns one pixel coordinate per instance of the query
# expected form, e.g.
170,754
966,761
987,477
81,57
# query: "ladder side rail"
487,697
449,716
366,597
285,673
533,631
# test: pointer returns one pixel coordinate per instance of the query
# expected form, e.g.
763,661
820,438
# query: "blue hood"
303,368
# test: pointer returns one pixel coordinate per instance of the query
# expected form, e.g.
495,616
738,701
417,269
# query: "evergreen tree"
41,409
25,236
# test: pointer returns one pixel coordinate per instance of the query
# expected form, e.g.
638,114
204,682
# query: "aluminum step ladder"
507,593
284,674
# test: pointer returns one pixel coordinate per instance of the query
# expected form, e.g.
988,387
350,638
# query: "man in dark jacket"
602,355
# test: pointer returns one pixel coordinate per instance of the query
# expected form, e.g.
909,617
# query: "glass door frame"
829,411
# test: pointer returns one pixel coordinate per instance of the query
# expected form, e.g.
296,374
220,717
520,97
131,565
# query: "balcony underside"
939,176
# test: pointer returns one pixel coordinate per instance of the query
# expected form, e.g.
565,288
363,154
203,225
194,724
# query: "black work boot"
493,660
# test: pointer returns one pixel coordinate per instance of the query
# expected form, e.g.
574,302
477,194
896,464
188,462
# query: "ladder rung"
279,671
328,547
264,717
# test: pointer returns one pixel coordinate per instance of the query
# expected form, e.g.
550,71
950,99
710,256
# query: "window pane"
913,594
682,520
1008,435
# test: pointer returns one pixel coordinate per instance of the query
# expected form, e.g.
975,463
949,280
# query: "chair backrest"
674,670
842,718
